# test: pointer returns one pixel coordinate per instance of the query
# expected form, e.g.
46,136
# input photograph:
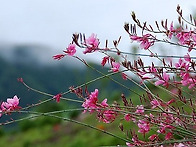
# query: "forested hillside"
51,79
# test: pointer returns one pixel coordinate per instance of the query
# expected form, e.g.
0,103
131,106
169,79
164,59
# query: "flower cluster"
91,44
143,126
104,112
184,65
167,119
145,42
157,117
185,37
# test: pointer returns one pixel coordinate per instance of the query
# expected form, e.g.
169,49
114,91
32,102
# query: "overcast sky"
52,22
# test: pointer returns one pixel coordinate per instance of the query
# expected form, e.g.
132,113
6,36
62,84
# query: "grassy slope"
65,134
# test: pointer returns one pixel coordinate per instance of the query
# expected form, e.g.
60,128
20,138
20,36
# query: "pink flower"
142,75
71,49
163,81
91,102
192,83
180,145
187,38
180,64
171,31
105,60
136,38
152,69
58,57
129,144
144,40
155,103
183,37
136,142
127,117
187,58
20,80
170,101
124,76
108,116
103,112
140,109
153,137
163,128
145,44
11,104
92,44
168,136
5,106
104,103
13,101
115,66
57,97
144,126
92,40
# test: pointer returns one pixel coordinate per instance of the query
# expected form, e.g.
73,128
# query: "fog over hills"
52,23
39,55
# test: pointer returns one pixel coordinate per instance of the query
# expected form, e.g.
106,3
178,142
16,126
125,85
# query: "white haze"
51,23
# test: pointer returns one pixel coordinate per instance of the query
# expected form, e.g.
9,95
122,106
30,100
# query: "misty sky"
52,22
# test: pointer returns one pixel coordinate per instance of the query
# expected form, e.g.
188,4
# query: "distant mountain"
38,55
50,78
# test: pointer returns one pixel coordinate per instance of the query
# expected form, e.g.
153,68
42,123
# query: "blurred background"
32,31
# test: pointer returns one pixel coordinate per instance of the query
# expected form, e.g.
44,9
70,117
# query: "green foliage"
65,134
42,121
2,132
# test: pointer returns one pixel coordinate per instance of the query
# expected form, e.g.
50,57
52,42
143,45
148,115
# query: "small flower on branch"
124,76
91,44
187,58
155,103
163,128
10,105
140,109
105,60
127,117
58,57
144,40
115,66
163,81
91,102
153,137
107,116
168,136
144,126
71,49
104,112
20,80
171,31
57,97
